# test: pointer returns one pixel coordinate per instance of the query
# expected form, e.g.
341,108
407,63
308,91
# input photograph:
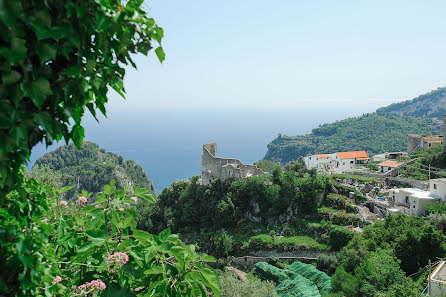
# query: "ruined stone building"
418,142
213,168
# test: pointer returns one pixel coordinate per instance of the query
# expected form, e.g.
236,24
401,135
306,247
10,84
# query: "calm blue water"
168,143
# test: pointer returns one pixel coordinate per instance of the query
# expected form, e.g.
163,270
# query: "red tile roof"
323,156
362,155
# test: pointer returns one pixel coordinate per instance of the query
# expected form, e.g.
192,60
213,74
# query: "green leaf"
11,77
96,235
160,54
109,189
207,258
44,119
212,280
100,198
141,235
10,11
65,189
73,70
89,66
16,53
19,133
154,270
37,90
77,135
46,51
164,234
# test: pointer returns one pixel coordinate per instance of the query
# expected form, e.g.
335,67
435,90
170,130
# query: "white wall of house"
438,187
321,164
415,199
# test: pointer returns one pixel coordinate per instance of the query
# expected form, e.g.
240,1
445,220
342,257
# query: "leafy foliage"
377,261
89,168
232,286
190,206
57,59
370,132
63,247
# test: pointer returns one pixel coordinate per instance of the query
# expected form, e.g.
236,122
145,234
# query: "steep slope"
89,168
430,105
371,132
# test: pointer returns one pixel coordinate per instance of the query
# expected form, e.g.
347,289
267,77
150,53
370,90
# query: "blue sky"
290,54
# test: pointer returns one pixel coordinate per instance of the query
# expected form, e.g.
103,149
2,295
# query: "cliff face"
430,105
90,168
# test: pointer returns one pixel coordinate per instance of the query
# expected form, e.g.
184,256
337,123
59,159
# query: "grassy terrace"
282,243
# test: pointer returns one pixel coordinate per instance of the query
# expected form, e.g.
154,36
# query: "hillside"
88,168
371,132
430,105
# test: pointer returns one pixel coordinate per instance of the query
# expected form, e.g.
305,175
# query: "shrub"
339,237
223,244
327,263
232,286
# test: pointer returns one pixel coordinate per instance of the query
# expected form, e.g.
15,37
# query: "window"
407,199
435,186
430,144
414,206
351,162
343,163
310,158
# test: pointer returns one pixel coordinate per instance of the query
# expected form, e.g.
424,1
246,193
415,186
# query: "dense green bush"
224,244
337,201
190,206
376,261
327,263
233,286
339,237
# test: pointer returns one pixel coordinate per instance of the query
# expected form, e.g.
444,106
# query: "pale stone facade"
213,168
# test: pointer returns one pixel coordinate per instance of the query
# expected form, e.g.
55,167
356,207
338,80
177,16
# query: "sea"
167,142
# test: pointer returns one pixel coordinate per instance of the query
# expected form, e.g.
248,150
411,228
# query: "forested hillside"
88,168
430,105
371,132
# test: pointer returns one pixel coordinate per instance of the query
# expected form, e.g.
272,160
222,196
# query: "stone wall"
412,182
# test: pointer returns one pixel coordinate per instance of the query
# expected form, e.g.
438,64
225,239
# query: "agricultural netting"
298,279
319,278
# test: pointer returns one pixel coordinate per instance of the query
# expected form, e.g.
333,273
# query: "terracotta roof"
353,155
390,163
323,156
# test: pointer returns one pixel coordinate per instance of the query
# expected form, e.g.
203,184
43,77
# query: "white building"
438,187
388,165
437,281
416,199
336,163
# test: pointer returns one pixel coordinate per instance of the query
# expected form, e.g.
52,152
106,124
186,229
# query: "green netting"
298,279
299,286
319,278
272,272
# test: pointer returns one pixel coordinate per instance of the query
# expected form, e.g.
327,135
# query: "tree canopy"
57,59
